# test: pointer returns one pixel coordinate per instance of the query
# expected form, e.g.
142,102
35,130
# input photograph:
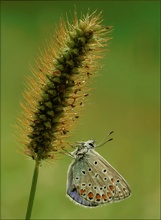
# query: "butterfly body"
92,181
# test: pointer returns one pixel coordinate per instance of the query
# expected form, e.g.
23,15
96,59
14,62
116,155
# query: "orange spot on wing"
108,194
112,179
98,196
90,195
104,197
111,187
82,191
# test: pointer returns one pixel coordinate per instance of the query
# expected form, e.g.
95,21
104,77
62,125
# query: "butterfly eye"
91,144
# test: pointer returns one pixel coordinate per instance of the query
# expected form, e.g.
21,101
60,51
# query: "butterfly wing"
76,189
92,181
111,186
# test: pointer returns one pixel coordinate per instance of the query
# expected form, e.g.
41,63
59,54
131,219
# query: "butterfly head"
90,144
83,147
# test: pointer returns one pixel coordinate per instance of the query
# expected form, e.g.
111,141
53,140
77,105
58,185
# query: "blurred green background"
125,99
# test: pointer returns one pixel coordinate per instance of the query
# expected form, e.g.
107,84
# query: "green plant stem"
32,191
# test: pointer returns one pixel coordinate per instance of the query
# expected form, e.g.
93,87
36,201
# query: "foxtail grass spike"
56,92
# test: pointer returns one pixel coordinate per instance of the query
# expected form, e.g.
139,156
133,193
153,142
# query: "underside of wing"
74,189
93,181
109,178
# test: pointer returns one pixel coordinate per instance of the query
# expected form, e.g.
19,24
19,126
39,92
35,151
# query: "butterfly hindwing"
76,185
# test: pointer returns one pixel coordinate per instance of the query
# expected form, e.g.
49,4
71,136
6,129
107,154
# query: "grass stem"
33,190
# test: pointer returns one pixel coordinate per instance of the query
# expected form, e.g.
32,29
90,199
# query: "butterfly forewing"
114,185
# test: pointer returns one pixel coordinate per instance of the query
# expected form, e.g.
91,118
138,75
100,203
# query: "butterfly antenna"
104,141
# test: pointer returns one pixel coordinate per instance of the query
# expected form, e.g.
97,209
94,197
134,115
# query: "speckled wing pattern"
92,181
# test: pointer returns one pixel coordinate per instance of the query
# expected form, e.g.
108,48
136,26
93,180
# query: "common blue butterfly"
92,181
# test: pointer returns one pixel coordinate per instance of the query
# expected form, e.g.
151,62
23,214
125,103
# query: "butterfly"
91,180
